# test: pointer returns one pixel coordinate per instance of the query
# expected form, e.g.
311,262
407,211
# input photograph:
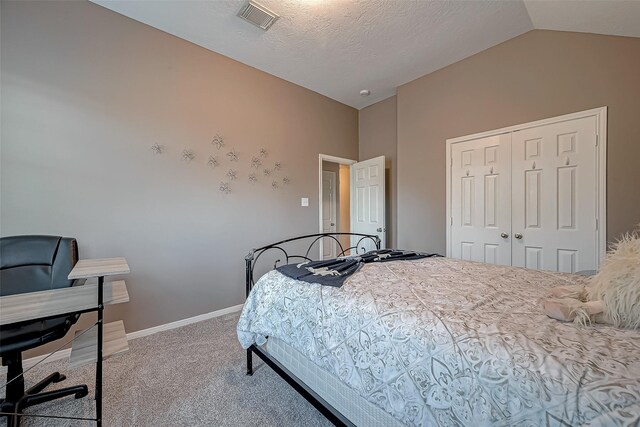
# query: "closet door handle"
518,236
504,235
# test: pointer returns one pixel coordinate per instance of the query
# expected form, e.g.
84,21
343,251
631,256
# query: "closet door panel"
481,200
554,196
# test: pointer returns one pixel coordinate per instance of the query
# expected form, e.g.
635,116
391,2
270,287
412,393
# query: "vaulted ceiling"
339,47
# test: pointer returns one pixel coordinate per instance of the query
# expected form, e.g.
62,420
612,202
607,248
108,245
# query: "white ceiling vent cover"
258,15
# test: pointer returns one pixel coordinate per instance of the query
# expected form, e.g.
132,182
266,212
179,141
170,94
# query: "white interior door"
329,213
481,200
368,201
555,196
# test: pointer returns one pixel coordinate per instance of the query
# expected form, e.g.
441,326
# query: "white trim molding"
601,163
65,353
184,322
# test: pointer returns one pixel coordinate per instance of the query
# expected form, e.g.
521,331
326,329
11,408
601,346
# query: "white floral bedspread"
444,342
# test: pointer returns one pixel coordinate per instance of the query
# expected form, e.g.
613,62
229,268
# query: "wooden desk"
57,302
89,345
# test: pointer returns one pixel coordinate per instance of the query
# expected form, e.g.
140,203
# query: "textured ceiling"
338,47
618,18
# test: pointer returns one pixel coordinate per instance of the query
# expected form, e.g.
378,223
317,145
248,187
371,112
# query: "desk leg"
99,349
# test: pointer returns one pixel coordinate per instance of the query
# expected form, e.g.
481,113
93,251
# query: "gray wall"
378,137
86,92
537,75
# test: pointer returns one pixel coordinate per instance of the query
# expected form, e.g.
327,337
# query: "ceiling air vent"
258,15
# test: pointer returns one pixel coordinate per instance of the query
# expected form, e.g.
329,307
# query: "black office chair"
30,264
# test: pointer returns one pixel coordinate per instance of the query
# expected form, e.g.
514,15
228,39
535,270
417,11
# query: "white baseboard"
62,354
183,322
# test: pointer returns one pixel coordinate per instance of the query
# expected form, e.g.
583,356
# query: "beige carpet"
190,376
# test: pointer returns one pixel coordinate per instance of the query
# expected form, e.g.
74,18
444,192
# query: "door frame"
333,159
601,167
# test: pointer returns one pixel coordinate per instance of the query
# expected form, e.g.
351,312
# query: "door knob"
518,236
504,235
333,223
379,230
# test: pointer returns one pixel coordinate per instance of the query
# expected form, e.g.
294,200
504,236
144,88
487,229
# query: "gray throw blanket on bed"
334,272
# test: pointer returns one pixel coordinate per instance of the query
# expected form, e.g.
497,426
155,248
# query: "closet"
531,195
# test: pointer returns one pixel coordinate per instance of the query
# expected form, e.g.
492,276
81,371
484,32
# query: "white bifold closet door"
481,199
528,198
554,196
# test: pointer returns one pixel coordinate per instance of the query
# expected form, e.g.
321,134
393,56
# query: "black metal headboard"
255,254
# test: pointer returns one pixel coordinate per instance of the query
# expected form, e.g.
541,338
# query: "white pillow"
617,284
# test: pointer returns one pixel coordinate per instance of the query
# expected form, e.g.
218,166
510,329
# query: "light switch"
304,201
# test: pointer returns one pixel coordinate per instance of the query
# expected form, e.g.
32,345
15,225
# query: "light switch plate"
304,201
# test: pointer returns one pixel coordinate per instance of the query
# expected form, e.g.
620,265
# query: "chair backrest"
36,263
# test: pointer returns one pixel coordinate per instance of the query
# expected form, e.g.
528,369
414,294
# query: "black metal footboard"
280,248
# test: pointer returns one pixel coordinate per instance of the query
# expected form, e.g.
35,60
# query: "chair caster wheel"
81,394
60,378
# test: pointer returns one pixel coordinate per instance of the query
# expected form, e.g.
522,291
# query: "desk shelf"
86,268
84,349
115,292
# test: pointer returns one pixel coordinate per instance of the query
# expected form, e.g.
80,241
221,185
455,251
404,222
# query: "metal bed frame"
316,400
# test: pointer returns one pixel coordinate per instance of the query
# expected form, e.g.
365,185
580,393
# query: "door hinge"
597,139
451,221
451,161
597,224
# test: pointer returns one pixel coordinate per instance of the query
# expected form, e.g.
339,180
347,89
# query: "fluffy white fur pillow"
617,284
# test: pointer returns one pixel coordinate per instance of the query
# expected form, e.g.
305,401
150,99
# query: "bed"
439,342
